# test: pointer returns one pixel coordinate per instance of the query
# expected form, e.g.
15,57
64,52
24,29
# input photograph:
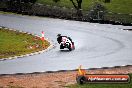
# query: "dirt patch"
53,80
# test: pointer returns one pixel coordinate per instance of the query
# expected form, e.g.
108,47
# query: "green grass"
107,85
117,6
67,3
2,12
15,43
120,6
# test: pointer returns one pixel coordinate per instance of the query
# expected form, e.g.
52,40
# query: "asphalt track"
97,45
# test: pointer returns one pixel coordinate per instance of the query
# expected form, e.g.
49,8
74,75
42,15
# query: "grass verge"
105,85
15,43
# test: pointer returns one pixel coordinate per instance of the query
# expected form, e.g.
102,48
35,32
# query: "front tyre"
73,46
70,49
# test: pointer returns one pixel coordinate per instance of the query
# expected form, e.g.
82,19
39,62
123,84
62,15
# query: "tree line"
77,5
18,5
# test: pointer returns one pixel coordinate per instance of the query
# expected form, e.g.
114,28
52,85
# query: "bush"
56,1
97,11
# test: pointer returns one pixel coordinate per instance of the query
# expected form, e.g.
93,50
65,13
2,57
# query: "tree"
17,5
78,6
56,1
28,1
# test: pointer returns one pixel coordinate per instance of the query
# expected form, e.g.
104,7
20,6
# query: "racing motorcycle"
66,43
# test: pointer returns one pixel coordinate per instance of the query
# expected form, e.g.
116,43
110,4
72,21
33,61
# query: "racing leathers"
65,39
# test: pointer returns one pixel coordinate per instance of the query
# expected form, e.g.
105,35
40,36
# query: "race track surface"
97,45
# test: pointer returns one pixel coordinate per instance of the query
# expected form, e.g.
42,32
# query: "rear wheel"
61,46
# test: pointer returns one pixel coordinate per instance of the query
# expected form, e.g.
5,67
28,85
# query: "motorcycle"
66,43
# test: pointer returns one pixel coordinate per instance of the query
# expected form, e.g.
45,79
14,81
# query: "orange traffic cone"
81,71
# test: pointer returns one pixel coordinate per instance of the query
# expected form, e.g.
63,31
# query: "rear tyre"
61,46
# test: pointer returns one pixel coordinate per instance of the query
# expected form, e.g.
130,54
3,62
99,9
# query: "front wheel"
69,48
73,46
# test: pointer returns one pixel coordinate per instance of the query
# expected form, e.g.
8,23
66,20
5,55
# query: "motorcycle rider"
61,38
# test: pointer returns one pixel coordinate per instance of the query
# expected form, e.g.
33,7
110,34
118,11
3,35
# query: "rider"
59,39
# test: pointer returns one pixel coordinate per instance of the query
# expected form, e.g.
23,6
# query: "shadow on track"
65,51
